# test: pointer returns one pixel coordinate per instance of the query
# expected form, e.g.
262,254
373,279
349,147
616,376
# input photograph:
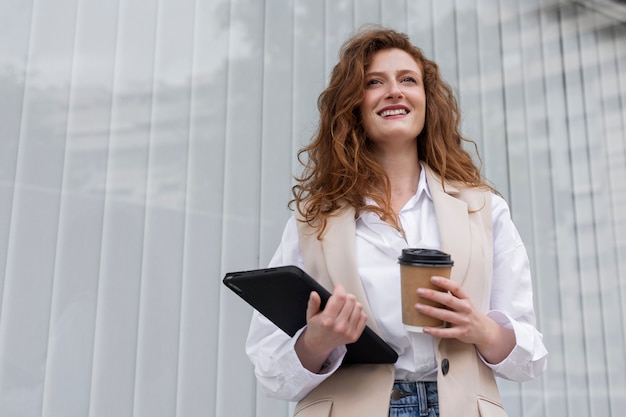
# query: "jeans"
414,399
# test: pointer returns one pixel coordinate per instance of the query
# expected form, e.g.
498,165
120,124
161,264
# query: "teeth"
393,112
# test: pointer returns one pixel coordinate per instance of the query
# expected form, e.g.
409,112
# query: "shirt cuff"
522,362
299,380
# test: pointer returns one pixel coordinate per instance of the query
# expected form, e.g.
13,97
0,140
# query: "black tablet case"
281,294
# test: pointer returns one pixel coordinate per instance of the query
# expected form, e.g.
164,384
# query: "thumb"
313,307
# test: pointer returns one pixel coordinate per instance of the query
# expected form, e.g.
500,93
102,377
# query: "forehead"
392,59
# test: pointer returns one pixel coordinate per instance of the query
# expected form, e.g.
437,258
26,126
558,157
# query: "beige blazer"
467,387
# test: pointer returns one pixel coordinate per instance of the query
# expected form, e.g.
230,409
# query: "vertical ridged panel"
516,156
569,322
309,69
469,86
198,378
276,149
119,292
611,270
242,190
72,318
578,248
493,134
538,209
162,265
15,28
33,230
598,260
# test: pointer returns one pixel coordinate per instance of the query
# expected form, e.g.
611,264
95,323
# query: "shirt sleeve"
511,303
272,352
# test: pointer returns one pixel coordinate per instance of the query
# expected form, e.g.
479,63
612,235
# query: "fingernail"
420,291
434,279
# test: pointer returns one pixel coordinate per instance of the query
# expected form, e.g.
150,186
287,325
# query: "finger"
339,290
313,306
358,322
347,310
437,296
443,314
360,319
449,285
443,332
352,325
362,322
345,303
335,303
355,314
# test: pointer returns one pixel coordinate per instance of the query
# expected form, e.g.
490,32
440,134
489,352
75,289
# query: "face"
393,109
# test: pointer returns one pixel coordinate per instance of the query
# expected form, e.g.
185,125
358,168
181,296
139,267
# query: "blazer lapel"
453,221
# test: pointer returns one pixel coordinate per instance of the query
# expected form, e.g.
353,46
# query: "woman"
386,171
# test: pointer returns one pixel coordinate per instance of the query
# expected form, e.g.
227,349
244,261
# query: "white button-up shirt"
378,246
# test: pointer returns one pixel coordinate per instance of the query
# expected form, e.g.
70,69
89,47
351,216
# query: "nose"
394,90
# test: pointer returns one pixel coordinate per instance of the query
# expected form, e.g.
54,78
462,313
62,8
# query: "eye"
409,79
371,82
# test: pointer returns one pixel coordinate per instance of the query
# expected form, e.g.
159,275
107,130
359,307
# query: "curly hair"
341,168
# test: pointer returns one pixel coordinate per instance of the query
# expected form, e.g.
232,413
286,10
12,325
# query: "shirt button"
445,367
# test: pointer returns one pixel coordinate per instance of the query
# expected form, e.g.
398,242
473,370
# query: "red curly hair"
341,167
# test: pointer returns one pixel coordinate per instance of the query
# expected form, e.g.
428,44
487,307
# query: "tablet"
281,294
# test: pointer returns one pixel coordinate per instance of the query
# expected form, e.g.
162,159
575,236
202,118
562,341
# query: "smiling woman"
386,171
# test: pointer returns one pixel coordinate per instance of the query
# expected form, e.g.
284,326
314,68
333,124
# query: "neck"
403,170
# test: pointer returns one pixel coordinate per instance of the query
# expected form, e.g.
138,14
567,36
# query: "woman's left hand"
465,322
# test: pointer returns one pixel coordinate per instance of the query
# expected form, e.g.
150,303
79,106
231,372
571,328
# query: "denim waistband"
421,397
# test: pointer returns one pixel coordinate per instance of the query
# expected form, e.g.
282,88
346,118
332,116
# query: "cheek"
369,121
366,104
366,123
421,105
366,113
423,99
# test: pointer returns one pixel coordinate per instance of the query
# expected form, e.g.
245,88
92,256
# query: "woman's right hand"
341,322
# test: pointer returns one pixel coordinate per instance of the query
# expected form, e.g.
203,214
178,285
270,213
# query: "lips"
393,111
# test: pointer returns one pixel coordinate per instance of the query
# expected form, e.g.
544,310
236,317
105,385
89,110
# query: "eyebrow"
402,71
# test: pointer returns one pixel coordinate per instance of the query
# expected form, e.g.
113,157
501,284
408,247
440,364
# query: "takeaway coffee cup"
417,266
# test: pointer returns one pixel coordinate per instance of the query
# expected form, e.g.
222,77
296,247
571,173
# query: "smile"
393,112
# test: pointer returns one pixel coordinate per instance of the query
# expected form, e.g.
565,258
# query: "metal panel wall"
148,146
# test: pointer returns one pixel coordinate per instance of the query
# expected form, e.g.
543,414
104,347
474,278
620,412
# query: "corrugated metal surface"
147,147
